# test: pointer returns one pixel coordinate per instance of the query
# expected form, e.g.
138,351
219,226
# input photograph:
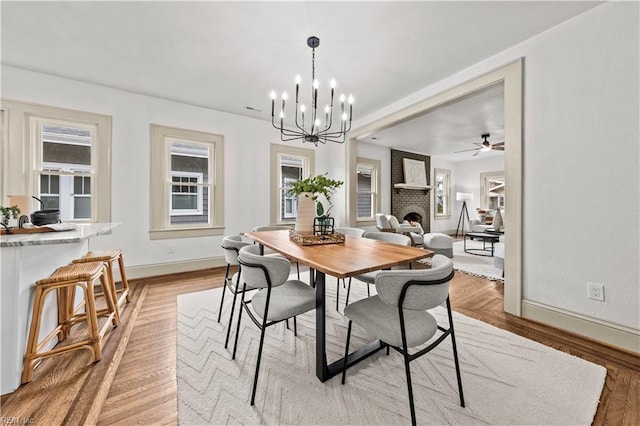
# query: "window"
492,190
442,194
65,150
288,165
368,188
186,183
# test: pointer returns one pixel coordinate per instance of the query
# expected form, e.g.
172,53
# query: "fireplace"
410,203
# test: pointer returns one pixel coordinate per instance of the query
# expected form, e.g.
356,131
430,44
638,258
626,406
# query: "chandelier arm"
289,132
296,121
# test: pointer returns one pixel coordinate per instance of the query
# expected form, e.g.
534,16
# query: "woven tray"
311,240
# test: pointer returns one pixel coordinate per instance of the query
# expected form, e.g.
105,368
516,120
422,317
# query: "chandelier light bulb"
317,122
342,98
316,83
350,99
281,114
273,94
284,96
302,108
327,109
298,79
332,83
344,116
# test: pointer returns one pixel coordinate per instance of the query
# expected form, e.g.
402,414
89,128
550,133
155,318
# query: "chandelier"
313,130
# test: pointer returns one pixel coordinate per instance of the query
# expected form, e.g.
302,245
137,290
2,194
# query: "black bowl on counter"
45,217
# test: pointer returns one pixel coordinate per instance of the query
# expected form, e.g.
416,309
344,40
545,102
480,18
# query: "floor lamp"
463,196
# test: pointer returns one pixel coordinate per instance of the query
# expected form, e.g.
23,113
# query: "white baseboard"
613,334
143,271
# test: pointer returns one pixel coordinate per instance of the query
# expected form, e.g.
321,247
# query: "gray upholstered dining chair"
232,245
277,299
369,277
398,315
275,228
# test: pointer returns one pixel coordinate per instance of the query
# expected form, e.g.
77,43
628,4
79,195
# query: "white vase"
306,212
12,223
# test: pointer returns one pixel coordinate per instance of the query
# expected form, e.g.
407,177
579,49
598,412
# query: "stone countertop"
82,232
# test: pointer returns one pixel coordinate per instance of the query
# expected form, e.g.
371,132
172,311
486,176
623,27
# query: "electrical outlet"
596,291
171,249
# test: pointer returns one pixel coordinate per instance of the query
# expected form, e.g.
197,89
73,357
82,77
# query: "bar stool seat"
109,257
65,280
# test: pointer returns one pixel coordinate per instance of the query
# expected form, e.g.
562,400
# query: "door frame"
511,75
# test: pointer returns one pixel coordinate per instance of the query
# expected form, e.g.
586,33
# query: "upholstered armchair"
389,223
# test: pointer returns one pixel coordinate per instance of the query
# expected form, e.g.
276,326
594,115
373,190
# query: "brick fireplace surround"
407,201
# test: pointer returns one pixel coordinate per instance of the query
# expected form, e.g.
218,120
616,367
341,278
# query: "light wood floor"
136,380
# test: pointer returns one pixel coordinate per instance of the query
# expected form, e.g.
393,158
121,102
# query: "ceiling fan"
484,146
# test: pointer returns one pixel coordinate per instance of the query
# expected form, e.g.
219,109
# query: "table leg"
322,371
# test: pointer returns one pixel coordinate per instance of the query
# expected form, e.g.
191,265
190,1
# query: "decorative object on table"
497,220
44,216
314,130
10,216
464,197
308,239
24,203
323,225
308,190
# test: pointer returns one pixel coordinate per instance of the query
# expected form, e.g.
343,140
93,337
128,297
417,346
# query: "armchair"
389,223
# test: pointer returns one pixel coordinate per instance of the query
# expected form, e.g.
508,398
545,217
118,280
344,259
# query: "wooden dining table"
353,257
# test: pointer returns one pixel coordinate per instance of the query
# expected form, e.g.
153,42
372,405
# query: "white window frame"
446,174
376,187
294,202
160,203
23,123
308,169
484,189
183,212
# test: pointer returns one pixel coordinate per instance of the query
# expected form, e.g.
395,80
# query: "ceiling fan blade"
497,148
467,150
498,144
477,152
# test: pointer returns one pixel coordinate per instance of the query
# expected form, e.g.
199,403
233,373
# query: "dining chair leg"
224,289
235,345
298,269
287,323
455,353
368,291
233,307
387,350
409,387
295,327
346,353
255,379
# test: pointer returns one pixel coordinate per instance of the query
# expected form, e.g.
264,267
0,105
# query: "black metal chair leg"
298,268
368,291
387,350
235,345
287,323
409,387
224,289
255,379
346,353
295,327
338,294
233,307
455,353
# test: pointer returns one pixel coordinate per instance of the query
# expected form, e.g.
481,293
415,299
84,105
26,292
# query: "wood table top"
356,256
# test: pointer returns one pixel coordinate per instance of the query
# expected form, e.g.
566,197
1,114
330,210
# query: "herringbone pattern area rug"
507,379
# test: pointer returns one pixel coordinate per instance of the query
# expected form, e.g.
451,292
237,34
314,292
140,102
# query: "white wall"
580,161
246,149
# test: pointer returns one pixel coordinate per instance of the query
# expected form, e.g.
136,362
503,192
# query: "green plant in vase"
9,213
312,187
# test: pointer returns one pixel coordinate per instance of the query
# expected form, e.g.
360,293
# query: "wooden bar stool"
65,279
109,257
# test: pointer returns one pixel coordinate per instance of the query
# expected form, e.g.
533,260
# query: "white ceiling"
230,55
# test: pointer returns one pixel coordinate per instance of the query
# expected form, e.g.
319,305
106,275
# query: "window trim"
376,165
447,194
276,151
160,174
198,194
20,176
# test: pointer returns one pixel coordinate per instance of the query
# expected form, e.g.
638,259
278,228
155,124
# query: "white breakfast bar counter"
26,258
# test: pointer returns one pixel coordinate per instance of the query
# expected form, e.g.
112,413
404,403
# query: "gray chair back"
270,228
389,237
382,221
232,245
255,268
356,232
389,285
